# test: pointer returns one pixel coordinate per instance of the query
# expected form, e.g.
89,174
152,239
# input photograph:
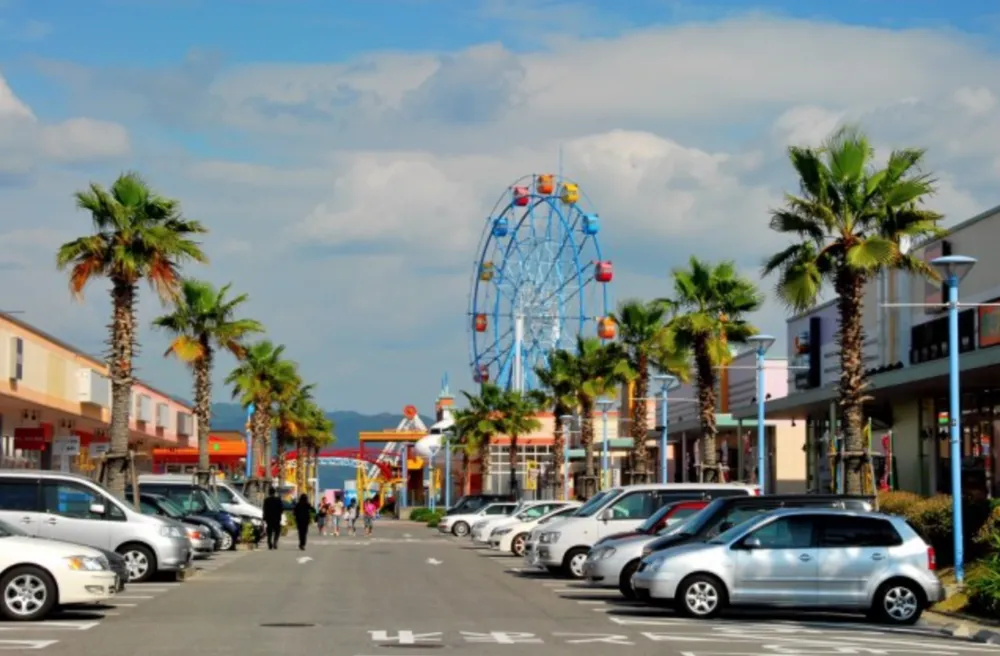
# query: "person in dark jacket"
273,510
303,518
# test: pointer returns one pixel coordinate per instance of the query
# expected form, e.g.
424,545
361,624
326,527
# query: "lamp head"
953,266
605,404
762,342
667,380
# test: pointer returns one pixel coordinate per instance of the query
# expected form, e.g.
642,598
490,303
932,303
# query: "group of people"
303,513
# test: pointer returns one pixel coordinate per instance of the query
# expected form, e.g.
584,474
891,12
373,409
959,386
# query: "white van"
564,544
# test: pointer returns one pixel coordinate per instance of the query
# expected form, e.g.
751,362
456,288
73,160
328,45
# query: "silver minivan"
72,508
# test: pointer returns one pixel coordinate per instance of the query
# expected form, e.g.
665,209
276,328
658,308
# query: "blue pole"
605,474
566,464
249,459
664,474
954,418
761,429
447,472
404,473
429,467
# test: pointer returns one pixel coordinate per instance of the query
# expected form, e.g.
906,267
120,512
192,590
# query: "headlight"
172,532
501,531
86,564
655,564
604,552
549,538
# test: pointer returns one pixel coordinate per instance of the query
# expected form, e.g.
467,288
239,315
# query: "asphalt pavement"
409,591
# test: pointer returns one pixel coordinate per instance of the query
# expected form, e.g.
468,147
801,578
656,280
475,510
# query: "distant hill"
347,425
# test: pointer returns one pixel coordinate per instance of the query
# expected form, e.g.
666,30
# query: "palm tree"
847,222
711,302
257,380
643,336
469,437
558,392
595,369
515,416
292,405
138,235
483,406
204,320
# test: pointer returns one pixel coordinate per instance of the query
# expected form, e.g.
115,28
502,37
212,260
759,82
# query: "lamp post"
761,343
248,473
447,469
605,404
953,269
565,421
404,473
667,383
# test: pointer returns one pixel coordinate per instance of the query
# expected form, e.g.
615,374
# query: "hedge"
932,518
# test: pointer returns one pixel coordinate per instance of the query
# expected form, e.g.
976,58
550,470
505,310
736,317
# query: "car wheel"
625,579
517,544
227,542
140,561
29,593
701,596
573,562
460,529
898,602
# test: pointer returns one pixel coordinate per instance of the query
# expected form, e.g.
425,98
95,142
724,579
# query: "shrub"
897,502
988,536
932,519
420,514
247,533
982,586
433,522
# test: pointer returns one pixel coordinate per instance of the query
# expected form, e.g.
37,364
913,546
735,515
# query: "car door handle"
25,520
805,558
50,520
878,556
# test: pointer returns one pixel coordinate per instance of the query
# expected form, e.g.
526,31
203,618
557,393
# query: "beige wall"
790,459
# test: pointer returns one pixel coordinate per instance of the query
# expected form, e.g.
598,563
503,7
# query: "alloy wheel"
25,595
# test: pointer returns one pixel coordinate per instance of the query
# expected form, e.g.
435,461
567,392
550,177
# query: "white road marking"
303,560
64,625
132,597
122,605
591,602
434,561
26,644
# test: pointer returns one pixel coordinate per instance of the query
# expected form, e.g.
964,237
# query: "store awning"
218,450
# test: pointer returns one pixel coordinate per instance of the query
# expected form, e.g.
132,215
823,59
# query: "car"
470,503
37,575
232,500
800,558
64,506
197,500
118,565
482,529
664,518
564,545
460,525
722,514
514,537
156,504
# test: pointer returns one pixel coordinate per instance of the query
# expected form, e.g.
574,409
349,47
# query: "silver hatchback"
802,558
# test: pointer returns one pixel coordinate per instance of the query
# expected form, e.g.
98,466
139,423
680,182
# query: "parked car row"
66,540
703,548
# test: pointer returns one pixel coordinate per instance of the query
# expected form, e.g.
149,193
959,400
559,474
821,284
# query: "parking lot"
409,591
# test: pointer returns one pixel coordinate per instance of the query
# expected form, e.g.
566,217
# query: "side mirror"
751,543
607,515
97,509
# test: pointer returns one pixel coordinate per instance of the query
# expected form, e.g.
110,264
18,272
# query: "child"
370,509
321,516
352,516
337,513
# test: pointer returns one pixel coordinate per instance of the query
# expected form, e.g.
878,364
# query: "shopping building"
906,358
55,405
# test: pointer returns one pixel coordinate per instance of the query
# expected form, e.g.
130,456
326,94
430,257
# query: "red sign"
32,438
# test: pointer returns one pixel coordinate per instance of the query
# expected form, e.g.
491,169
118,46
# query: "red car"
668,515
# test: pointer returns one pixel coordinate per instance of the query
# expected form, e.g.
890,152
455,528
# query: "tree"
483,408
292,415
596,369
558,392
847,222
514,416
204,320
469,437
257,380
643,337
710,303
138,235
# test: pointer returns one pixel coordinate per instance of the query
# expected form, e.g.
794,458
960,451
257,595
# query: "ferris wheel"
540,280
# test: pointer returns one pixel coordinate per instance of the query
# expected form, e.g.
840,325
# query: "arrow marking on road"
434,561
304,559
26,644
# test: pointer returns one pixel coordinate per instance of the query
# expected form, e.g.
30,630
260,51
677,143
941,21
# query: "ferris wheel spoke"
587,281
497,342
567,239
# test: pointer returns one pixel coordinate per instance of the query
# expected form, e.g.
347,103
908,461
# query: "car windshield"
591,507
170,508
676,529
9,530
654,519
209,501
738,529
702,520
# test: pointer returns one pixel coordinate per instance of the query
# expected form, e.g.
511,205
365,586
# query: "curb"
958,627
186,574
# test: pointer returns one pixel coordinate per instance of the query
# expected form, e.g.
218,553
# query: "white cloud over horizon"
355,200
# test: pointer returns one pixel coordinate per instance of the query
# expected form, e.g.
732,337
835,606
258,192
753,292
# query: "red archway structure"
369,456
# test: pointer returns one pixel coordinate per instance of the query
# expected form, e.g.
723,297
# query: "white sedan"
512,537
40,574
525,511
460,524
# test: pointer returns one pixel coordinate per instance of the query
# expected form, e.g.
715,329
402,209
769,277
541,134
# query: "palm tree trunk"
640,427
282,445
301,463
465,471
850,296
123,300
203,408
512,465
483,449
709,471
558,448
259,426
587,442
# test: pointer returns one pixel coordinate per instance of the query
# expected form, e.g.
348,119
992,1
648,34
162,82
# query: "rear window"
857,532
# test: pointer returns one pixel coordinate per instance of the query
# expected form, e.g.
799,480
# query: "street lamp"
761,343
446,437
565,420
667,383
605,404
953,269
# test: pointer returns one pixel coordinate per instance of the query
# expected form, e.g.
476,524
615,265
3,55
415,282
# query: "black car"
196,500
470,503
155,504
724,513
117,565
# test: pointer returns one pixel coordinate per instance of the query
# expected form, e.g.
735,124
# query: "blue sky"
346,153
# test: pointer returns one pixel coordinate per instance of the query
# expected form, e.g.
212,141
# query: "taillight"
931,559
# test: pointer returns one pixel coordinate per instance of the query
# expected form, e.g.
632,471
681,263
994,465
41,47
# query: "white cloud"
354,227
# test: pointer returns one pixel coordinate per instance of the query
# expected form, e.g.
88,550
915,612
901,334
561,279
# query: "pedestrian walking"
273,510
370,508
337,512
322,515
352,516
303,518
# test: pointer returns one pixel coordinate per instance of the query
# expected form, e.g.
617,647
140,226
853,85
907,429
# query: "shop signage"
66,445
989,325
32,438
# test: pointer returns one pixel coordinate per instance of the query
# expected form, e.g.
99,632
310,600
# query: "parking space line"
121,605
591,602
132,597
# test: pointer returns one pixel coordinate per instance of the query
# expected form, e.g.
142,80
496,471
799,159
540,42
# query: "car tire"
701,596
625,579
573,562
517,544
460,529
227,543
38,594
140,560
899,602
